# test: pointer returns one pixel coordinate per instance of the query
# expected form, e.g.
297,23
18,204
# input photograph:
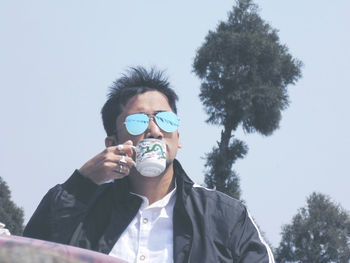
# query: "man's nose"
153,130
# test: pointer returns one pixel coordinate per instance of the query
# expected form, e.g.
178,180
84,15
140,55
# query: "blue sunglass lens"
136,123
167,121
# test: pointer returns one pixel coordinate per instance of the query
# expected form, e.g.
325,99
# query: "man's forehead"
148,102
147,99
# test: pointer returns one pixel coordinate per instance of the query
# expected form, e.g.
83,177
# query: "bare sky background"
57,59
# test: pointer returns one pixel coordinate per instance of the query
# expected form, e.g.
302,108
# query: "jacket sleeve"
248,242
61,210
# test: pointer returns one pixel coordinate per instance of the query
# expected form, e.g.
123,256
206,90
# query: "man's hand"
3,230
114,162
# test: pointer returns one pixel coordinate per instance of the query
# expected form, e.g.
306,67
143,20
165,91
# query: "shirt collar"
160,203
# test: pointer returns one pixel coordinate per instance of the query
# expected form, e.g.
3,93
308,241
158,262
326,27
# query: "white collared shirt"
149,236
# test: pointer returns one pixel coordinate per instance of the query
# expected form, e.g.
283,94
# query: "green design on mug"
154,148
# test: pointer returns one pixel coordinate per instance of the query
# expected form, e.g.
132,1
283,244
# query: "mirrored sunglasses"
137,123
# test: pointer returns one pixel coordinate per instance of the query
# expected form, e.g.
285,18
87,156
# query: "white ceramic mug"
150,157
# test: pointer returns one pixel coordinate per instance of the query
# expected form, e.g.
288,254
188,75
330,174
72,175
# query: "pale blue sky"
57,59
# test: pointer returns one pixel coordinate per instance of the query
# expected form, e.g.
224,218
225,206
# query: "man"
166,218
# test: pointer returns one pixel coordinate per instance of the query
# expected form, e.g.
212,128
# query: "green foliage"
245,72
319,233
220,162
10,214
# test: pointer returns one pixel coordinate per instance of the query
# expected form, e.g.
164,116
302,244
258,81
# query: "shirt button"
145,220
142,257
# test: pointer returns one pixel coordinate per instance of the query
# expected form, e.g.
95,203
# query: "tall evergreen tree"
245,71
319,233
10,214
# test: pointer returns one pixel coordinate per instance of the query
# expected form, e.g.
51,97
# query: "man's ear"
110,141
179,145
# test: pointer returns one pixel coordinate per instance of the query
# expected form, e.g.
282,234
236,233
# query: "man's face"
149,103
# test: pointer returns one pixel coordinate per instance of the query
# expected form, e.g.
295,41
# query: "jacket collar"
182,180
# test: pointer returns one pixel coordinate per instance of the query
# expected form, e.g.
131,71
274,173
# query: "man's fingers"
123,169
113,163
123,149
119,159
117,170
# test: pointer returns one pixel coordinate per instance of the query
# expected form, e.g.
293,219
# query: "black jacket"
209,226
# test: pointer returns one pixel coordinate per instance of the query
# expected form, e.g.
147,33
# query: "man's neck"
154,188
